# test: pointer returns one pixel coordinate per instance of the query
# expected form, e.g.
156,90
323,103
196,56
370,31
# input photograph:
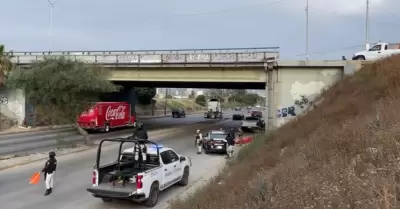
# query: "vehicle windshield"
217,136
252,118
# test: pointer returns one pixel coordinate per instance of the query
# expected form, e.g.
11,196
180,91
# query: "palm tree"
5,64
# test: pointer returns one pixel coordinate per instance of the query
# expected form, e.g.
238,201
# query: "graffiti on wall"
303,102
3,100
286,111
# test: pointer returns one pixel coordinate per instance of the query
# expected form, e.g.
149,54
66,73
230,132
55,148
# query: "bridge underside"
200,85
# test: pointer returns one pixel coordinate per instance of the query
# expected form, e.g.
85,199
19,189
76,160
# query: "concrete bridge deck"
164,57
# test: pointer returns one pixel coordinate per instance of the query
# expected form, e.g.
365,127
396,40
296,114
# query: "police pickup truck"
133,178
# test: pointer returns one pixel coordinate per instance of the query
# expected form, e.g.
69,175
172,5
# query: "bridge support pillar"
270,65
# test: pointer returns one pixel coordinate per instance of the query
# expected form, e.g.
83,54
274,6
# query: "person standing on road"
230,139
49,171
240,135
198,141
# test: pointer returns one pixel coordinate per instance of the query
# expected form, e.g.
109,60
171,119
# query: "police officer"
140,148
140,132
49,171
230,139
198,141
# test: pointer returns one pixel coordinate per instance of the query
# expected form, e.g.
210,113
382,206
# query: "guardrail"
233,55
169,112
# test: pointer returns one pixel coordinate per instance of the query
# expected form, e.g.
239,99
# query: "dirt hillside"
344,153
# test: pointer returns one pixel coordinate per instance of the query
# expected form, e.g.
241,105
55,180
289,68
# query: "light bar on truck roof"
155,146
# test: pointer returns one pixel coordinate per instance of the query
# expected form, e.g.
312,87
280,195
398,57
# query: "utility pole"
307,33
367,25
51,4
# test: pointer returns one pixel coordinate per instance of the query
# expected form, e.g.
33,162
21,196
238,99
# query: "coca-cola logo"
115,114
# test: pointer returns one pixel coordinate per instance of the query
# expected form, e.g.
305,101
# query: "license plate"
219,147
248,126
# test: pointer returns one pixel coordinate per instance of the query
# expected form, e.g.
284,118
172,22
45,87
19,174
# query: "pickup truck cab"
139,180
378,51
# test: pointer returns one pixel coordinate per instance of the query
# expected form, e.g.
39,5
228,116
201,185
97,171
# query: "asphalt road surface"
27,143
74,175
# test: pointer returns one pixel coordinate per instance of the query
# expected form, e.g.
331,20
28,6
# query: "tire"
175,115
106,199
153,197
185,177
360,58
106,128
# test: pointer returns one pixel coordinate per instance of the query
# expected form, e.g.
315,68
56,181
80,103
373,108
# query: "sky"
336,27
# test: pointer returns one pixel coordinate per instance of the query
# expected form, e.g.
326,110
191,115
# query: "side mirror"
181,158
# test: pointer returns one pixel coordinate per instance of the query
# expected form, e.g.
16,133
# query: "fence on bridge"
231,55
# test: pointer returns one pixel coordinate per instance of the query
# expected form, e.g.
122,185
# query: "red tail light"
94,177
139,183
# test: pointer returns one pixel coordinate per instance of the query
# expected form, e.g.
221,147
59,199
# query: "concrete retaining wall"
291,84
12,104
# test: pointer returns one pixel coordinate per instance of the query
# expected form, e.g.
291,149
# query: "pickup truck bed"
128,188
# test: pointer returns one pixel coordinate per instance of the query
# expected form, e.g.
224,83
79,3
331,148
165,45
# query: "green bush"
145,95
201,100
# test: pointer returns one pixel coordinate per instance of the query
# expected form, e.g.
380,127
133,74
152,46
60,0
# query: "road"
75,171
27,143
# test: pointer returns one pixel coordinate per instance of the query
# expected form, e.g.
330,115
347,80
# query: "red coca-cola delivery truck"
104,116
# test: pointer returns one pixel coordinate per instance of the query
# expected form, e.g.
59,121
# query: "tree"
65,87
201,100
250,99
5,64
192,95
145,95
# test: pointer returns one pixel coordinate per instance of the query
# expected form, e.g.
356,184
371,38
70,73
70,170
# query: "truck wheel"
106,199
360,58
185,177
106,128
153,196
175,115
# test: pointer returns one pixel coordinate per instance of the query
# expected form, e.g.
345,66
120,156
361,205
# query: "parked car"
215,141
250,124
178,113
256,113
238,116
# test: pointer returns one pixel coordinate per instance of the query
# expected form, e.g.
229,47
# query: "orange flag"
35,178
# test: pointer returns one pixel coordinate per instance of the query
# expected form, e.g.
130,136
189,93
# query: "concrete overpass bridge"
241,68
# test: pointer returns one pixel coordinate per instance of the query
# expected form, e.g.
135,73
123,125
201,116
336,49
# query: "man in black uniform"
140,149
230,139
140,132
49,171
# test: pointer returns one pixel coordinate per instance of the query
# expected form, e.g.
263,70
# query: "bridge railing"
235,55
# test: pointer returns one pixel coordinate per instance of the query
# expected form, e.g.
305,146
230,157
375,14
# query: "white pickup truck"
378,51
130,179
251,124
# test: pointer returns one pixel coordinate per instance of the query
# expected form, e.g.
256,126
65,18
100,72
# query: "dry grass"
344,153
